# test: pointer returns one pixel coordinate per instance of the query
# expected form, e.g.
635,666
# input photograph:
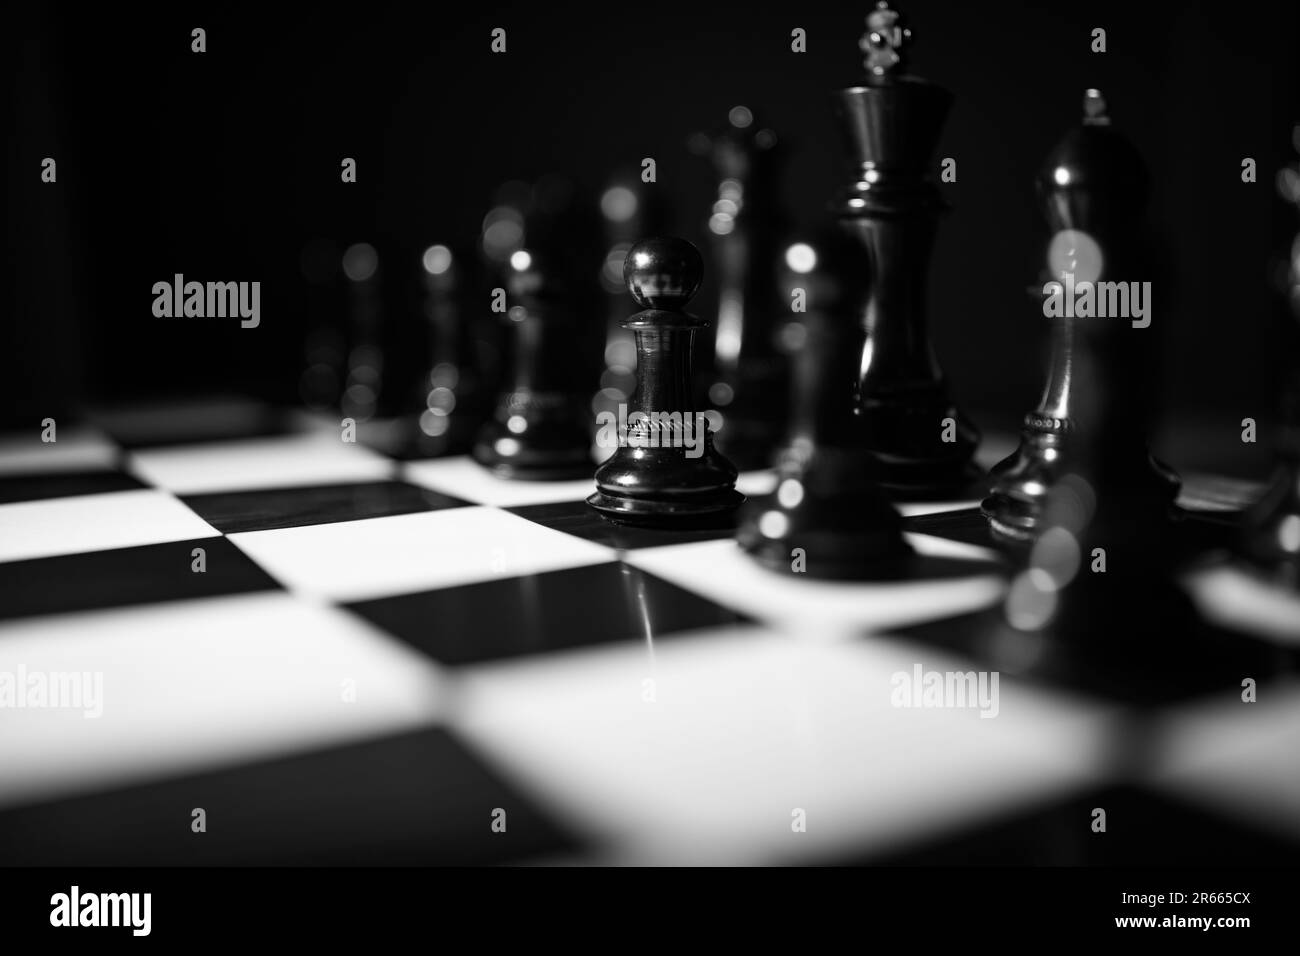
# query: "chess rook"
828,503
1093,187
540,428
891,124
665,470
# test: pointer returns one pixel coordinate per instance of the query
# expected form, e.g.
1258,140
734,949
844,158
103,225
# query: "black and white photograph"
860,438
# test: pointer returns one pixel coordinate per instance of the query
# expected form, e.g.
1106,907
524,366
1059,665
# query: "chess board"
385,661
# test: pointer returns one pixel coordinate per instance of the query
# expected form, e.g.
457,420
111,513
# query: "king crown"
884,42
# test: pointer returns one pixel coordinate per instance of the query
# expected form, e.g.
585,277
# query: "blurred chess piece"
451,392
892,123
363,384
541,245
828,509
1096,598
665,471
320,386
1272,529
747,381
628,211
1093,187
541,428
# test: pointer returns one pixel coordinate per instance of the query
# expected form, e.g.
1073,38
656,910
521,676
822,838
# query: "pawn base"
544,451
715,508
828,509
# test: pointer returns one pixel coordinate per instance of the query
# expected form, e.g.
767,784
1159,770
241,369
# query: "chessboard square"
1238,597
581,520
1143,828
378,557
76,448
147,574
1236,758
268,508
701,753
958,578
313,458
166,689
543,613
418,798
123,519
465,478
1052,657
36,486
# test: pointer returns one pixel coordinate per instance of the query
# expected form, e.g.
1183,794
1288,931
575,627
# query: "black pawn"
829,506
665,471
540,429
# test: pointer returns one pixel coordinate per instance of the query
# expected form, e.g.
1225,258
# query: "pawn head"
663,273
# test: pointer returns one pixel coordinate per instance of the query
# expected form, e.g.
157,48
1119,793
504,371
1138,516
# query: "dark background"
224,165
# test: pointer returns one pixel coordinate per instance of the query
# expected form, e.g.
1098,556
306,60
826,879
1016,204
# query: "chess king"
892,123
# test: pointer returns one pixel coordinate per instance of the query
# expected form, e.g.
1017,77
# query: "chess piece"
628,210
665,470
364,385
452,398
1272,529
1093,187
747,380
829,517
892,123
1095,601
320,386
540,428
